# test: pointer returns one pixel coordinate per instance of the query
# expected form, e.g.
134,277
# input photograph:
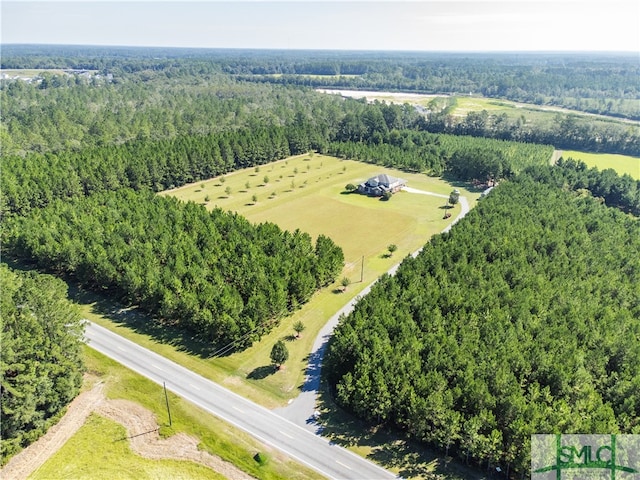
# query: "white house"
378,185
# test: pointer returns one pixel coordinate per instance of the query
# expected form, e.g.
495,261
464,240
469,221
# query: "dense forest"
591,82
41,364
212,272
618,191
130,94
521,320
461,157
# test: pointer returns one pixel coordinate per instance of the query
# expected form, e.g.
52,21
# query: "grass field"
315,202
620,163
97,450
305,192
540,116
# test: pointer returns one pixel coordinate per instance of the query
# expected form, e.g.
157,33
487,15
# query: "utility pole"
166,398
362,271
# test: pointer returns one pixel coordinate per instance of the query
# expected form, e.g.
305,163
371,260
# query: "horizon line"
319,49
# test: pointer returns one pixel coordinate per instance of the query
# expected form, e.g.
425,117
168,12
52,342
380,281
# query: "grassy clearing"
540,116
620,163
98,451
362,226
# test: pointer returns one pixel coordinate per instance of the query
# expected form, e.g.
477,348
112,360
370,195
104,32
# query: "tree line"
462,157
569,132
214,273
37,179
620,191
522,319
41,364
377,133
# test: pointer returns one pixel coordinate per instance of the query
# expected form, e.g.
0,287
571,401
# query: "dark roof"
384,179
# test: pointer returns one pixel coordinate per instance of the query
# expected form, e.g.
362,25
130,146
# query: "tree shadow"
388,447
456,182
260,373
290,338
144,323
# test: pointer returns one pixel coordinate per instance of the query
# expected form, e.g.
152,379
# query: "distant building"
378,185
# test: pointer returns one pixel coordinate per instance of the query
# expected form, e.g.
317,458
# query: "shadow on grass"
387,447
455,182
262,372
141,322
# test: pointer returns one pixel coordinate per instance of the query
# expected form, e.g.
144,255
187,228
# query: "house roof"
384,179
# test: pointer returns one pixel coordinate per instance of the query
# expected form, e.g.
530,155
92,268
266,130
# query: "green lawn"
308,193
620,163
362,226
99,450
316,203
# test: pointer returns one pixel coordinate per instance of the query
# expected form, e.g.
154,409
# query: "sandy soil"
142,430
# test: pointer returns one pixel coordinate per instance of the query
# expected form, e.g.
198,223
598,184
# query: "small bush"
261,458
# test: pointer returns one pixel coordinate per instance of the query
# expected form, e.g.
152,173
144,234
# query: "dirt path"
142,430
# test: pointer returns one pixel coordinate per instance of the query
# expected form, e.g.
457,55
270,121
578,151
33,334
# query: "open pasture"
308,193
620,163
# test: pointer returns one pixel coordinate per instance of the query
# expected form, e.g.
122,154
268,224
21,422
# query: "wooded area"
522,319
41,364
214,273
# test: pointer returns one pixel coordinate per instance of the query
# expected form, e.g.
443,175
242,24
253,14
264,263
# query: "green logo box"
592,457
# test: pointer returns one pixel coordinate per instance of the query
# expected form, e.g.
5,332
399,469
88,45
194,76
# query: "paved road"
302,409
316,452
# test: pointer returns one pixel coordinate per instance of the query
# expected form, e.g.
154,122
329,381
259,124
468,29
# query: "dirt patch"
142,432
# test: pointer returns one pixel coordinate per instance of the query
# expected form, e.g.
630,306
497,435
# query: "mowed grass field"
100,449
620,163
305,192
308,193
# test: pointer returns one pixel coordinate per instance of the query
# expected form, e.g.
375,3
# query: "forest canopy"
213,273
521,320
41,364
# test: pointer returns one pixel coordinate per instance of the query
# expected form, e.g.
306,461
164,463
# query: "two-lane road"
316,452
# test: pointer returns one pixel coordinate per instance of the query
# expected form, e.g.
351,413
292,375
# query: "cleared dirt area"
142,430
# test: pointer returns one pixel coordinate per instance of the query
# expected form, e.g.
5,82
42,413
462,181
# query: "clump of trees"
212,272
620,191
463,157
41,364
522,319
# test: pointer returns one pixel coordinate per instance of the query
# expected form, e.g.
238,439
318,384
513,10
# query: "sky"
419,25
